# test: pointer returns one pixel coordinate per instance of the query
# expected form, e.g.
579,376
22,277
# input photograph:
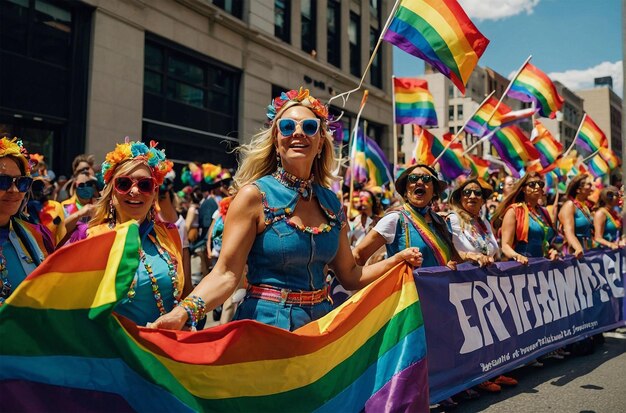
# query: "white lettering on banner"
543,297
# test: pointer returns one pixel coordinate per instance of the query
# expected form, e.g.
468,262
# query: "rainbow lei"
440,249
301,95
15,147
154,158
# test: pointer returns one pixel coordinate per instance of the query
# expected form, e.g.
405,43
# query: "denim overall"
286,257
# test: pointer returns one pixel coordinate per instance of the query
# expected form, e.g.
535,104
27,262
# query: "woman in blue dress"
285,224
607,221
575,216
526,227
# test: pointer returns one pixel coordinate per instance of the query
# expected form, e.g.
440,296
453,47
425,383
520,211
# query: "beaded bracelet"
196,310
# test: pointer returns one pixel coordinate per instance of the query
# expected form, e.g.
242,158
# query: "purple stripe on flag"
423,121
405,44
407,391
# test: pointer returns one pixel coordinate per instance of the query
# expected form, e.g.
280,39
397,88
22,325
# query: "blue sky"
571,40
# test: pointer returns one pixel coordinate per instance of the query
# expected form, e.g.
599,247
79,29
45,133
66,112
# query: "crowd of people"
271,237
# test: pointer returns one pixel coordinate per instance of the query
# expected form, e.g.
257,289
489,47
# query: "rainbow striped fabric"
591,138
369,163
62,346
549,148
514,148
609,156
532,85
428,147
439,32
414,103
478,166
598,166
503,116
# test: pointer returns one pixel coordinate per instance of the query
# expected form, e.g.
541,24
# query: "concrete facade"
605,108
116,83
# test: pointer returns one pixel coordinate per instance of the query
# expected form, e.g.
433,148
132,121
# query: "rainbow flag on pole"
532,85
439,32
503,116
598,166
514,148
428,147
609,156
591,138
414,103
64,348
549,148
369,164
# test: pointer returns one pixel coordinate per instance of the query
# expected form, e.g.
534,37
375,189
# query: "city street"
593,383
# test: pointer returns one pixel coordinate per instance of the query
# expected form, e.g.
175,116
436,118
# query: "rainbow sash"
616,222
440,249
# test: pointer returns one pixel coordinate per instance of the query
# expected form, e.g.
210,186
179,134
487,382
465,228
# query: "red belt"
278,295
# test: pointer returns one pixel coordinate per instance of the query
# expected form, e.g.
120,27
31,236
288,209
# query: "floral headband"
14,147
193,174
300,96
130,150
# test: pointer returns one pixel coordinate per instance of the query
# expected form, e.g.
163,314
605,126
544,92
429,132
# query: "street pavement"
589,384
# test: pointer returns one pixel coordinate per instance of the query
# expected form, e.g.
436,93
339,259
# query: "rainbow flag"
370,165
414,103
598,166
479,166
549,148
609,156
439,32
428,147
503,116
532,85
591,138
514,148
63,346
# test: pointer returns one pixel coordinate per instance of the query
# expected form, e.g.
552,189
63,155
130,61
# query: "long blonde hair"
103,204
258,158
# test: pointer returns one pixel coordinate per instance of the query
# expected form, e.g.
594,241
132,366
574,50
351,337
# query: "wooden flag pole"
575,136
394,126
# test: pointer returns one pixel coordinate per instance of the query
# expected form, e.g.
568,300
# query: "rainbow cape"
549,148
514,148
414,103
63,346
532,85
439,32
591,138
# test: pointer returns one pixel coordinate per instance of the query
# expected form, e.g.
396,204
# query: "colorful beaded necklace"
478,235
302,186
171,267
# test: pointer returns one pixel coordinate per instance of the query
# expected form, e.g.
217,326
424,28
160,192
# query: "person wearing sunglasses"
526,226
23,245
132,174
415,224
284,223
607,222
575,216
80,207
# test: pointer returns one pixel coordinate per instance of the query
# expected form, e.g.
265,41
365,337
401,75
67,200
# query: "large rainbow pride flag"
532,85
440,33
590,137
414,102
63,348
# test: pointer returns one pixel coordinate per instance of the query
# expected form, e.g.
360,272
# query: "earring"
151,213
111,214
278,162
319,155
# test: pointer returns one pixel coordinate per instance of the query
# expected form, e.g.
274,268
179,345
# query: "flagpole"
590,156
484,138
394,126
352,142
369,64
458,133
575,136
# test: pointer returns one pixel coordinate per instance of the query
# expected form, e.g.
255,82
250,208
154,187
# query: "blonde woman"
286,224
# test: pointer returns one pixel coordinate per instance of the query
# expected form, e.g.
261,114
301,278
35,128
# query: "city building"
195,75
605,108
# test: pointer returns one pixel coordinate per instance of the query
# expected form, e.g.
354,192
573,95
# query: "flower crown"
194,173
301,96
154,158
15,147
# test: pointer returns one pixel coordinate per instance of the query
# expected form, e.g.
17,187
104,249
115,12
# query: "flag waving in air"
532,85
590,137
414,103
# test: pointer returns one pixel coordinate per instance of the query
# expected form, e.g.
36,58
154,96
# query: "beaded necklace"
171,267
478,236
4,275
302,186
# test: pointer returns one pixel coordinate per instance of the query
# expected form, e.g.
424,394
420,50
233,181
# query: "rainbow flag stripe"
414,103
428,147
609,156
514,148
61,337
503,116
436,244
439,32
479,166
591,138
370,164
532,85
549,148
598,166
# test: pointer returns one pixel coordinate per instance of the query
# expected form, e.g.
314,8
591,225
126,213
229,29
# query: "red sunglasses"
123,185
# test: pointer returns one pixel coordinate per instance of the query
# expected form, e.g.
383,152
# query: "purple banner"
481,323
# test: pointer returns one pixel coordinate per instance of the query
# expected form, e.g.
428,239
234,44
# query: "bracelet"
196,310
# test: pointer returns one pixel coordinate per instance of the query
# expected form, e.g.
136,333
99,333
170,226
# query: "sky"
573,41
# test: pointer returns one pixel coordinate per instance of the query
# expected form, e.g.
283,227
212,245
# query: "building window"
375,9
459,112
282,11
354,31
333,19
233,7
451,112
376,72
451,130
450,91
309,22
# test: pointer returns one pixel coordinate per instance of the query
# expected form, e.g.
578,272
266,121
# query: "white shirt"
469,239
387,226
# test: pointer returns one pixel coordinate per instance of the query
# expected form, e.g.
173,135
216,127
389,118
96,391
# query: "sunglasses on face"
287,126
469,192
536,184
413,178
86,184
22,183
611,195
123,185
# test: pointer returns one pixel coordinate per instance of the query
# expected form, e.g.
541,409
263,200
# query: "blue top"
142,307
285,257
582,227
536,239
611,232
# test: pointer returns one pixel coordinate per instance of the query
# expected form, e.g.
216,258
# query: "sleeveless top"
537,237
582,227
612,228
